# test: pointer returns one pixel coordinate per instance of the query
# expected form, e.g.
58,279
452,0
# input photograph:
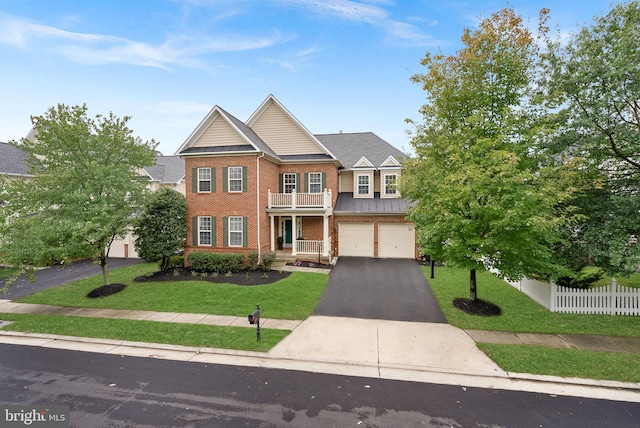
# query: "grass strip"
542,360
294,297
147,331
520,314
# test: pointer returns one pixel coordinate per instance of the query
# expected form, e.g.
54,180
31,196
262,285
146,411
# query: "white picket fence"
613,299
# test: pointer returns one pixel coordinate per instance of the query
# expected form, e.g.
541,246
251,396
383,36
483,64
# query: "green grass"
632,280
519,312
294,297
147,331
565,362
7,272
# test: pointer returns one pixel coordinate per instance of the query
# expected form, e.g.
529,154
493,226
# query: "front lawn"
147,331
543,360
520,314
294,297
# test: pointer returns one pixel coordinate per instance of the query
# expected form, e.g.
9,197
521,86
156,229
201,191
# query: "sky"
336,65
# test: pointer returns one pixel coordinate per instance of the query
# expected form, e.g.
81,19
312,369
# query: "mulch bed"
247,277
477,307
310,264
106,290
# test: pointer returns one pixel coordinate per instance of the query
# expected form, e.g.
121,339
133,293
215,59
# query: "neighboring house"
12,162
251,184
167,172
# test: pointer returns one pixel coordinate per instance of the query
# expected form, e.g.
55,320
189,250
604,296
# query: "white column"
272,231
294,235
325,235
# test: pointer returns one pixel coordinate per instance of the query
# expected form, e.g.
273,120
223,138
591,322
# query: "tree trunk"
105,271
472,284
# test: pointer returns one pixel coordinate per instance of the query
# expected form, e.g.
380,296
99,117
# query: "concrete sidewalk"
409,351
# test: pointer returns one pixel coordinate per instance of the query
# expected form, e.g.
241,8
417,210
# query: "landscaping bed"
246,277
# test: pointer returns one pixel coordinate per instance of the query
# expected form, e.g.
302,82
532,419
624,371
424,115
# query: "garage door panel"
356,239
396,240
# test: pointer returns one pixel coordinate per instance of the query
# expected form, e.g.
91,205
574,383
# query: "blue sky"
335,64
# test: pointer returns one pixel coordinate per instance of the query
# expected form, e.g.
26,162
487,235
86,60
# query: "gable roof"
234,136
167,170
351,148
12,160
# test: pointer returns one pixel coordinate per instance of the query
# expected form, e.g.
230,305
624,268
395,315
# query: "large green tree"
85,190
162,228
481,198
595,80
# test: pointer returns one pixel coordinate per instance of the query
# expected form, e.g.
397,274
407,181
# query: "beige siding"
282,134
219,133
346,182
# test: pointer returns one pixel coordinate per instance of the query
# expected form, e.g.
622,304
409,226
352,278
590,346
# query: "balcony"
300,201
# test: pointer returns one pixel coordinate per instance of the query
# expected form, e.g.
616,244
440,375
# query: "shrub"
216,262
581,280
174,262
253,258
268,258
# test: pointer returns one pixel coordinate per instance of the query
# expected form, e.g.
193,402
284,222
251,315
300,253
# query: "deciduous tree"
481,198
595,78
85,190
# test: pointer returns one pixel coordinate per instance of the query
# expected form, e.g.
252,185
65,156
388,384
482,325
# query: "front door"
288,233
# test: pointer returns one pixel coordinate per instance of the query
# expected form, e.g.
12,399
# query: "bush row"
230,262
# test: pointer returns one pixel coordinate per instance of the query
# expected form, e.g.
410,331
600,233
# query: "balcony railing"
300,200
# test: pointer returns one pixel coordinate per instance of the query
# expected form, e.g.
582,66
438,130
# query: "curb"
588,388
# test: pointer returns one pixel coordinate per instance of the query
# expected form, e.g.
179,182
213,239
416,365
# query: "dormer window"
390,184
363,184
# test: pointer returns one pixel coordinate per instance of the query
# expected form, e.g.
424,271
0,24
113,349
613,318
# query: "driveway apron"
384,289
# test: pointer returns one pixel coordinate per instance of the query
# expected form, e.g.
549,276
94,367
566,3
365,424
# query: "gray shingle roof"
350,148
168,169
12,160
346,203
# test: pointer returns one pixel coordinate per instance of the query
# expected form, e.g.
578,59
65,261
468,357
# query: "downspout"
258,203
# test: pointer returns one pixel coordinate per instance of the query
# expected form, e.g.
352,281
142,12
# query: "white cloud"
90,48
398,32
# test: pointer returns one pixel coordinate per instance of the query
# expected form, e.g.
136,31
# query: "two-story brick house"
250,185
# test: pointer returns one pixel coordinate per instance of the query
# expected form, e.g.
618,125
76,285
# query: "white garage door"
356,239
396,240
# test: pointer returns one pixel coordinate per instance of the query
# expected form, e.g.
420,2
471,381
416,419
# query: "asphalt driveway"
58,275
384,289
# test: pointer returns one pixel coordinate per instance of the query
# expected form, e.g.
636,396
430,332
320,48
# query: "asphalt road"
58,275
118,391
384,289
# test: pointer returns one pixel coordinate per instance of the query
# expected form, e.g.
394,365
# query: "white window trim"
200,231
356,184
230,179
199,180
383,193
319,183
230,231
285,183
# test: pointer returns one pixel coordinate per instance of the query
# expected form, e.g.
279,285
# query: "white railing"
300,200
614,299
305,246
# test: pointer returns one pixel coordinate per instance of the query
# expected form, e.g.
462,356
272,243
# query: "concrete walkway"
411,351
